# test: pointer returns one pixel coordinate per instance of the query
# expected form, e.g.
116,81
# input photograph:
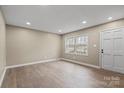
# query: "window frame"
66,45
75,38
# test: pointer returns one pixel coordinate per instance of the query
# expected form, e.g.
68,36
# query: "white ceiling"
53,18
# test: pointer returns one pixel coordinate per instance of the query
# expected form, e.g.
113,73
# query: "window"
70,42
81,46
77,45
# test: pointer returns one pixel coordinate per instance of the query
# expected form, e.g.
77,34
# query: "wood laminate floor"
60,74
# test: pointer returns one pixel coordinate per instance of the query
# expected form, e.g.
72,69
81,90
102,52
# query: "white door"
113,50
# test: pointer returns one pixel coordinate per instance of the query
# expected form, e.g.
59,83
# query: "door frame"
100,42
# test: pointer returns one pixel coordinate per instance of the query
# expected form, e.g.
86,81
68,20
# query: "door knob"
102,51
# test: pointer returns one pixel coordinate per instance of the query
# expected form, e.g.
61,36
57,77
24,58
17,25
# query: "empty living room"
62,46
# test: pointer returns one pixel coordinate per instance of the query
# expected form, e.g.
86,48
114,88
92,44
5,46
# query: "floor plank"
60,74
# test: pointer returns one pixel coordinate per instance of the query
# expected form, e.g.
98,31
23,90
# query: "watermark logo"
112,80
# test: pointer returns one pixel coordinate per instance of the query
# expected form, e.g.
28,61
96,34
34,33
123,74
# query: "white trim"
2,77
32,63
81,63
100,54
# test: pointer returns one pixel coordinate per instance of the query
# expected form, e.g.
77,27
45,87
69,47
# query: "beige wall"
94,38
2,45
25,45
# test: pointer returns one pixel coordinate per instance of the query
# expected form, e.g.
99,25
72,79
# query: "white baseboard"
32,63
81,63
2,77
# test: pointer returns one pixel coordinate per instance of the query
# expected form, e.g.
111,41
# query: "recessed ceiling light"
28,23
109,18
60,30
84,22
